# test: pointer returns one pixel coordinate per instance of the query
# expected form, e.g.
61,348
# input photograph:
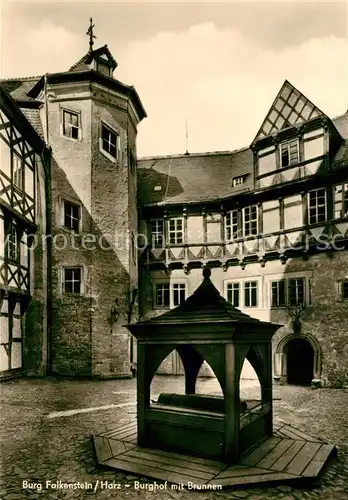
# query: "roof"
205,305
33,116
289,108
194,177
18,88
83,63
206,177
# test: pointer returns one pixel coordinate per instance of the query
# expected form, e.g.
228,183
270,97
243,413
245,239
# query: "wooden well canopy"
205,328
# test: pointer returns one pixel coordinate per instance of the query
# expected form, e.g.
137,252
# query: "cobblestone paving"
36,449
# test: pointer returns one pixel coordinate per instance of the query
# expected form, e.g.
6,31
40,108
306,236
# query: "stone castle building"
93,239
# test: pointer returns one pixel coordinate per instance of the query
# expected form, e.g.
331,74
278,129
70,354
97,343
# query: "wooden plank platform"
290,454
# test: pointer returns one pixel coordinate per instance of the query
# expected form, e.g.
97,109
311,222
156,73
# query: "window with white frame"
72,280
232,225
250,220
317,206
18,171
296,291
341,201
179,293
238,181
233,293
12,242
169,295
109,142
289,153
251,293
239,224
71,124
157,233
278,293
176,231
72,215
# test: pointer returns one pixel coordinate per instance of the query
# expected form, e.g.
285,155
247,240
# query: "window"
70,124
12,242
162,295
109,141
278,293
317,206
72,280
341,201
72,216
176,231
241,224
250,215
238,181
133,248
233,294
232,225
179,293
345,290
289,153
296,291
132,163
169,295
157,233
250,294
18,172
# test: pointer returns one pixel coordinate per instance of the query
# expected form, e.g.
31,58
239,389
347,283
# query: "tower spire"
91,34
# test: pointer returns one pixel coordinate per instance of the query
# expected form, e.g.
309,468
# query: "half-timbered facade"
271,221
23,255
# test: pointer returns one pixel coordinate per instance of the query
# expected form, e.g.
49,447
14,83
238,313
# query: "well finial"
206,272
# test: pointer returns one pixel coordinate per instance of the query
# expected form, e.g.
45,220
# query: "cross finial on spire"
91,35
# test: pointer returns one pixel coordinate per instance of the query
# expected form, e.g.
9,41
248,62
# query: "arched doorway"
300,362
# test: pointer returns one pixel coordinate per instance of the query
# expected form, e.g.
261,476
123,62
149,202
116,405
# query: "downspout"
47,158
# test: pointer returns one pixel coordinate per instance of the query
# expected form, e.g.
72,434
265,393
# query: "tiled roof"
194,177
18,88
206,177
33,116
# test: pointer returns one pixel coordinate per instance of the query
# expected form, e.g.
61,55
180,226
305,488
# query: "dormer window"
238,181
109,142
289,153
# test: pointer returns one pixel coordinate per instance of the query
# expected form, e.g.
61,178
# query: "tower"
90,121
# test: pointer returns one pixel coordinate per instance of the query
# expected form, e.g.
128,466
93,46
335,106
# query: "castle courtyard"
46,427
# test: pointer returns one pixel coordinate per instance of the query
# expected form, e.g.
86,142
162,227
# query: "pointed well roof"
289,108
204,305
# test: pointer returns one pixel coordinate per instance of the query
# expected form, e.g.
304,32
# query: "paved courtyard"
46,426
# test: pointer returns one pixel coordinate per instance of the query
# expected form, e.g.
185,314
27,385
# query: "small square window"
72,280
70,124
109,141
238,181
72,216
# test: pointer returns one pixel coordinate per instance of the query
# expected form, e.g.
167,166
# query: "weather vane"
91,35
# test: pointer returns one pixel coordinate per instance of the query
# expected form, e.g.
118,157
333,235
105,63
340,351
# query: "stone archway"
297,359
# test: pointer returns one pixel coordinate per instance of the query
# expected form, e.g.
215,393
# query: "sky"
215,66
